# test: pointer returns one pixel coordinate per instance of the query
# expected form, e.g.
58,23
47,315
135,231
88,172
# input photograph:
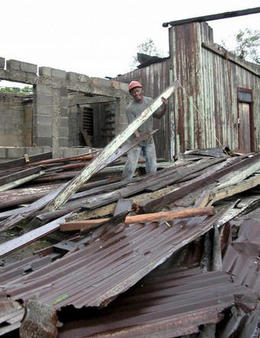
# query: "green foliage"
247,45
27,90
147,47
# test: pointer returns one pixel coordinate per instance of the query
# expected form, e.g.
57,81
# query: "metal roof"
242,256
117,259
167,303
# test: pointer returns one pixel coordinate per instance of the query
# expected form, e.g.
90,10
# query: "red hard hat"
134,84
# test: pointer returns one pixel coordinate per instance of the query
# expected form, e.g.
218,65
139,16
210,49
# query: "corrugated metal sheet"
241,260
167,303
242,256
110,265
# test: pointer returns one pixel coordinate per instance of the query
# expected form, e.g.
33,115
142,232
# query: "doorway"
245,120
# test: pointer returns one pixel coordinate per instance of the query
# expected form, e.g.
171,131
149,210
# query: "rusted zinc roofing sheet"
110,265
18,268
242,256
166,303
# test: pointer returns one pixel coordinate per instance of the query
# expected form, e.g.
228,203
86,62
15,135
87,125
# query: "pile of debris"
170,254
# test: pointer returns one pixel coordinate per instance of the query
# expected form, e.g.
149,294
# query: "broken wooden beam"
19,174
231,190
31,236
22,161
31,210
210,177
20,181
144,218
84,157
101,160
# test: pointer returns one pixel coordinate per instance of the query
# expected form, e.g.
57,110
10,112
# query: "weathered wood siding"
220,79
205,107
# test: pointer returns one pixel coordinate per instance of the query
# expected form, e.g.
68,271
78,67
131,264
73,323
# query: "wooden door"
244,134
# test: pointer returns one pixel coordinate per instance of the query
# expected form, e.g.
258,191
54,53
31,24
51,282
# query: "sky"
100,37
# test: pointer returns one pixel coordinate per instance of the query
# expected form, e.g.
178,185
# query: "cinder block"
28,67
73,76
63,92
59,74
64,132
64,122
22,66
69,152
97,81
13,65
44,130
63,142
2,63
83,78
44,100
45,71
44,121
44,90
15,152
3,152
33,150
43,110
43,141
46,149
120,85
64,111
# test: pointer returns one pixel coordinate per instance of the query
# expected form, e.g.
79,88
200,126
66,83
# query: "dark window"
244,96
87,120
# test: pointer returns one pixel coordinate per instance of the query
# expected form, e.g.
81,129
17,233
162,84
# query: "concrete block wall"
12,118
55,124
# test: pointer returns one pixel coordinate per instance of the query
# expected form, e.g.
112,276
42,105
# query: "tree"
147,47
27,90
247,45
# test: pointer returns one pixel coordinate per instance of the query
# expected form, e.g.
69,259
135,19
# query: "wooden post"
108,151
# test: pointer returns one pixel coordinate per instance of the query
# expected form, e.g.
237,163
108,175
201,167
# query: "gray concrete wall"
15,120
54,121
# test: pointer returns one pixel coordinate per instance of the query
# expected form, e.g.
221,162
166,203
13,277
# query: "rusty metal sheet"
116,260
167,303
242,256
22,267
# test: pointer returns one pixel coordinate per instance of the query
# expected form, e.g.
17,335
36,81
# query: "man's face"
137,94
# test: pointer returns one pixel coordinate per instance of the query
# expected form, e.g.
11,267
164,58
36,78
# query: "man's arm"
130,118
163,110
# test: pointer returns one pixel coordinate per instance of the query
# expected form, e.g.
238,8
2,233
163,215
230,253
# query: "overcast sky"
100,37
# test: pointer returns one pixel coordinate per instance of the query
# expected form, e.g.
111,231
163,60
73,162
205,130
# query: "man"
139,104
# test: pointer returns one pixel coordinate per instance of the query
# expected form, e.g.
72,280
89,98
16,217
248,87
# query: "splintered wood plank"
31,236
19,174
101,160
145,218
232,190
32,209
20,181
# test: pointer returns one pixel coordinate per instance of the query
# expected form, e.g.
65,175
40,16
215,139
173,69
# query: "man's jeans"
149,154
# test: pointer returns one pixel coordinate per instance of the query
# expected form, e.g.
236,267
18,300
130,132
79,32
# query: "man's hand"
163,110
165,102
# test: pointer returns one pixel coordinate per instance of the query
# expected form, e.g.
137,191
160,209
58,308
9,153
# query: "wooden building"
218,101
